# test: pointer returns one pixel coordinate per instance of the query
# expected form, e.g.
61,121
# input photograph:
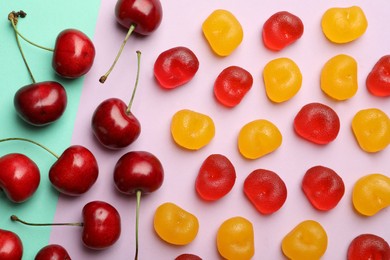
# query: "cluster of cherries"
73,57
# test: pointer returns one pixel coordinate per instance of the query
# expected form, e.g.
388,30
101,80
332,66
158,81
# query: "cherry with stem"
101,225
139,16
73,53
113,123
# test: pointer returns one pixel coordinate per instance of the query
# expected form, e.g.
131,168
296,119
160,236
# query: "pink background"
154,107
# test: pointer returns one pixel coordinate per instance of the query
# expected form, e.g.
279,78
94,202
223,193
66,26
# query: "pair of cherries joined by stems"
42,103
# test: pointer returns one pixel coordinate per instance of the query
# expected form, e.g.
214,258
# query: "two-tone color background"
154,107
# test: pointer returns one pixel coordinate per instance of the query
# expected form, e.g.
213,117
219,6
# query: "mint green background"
44,20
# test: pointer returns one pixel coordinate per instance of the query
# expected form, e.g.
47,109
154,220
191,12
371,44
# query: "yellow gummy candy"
192,130
175,225
235,239
344,24
258,138
282,79
339,77
308,240
371,128
223,32
371,194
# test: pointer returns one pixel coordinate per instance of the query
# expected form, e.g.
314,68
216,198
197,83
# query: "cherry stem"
27,40
136,82
15,218
129,32
13,17
29,141
138,195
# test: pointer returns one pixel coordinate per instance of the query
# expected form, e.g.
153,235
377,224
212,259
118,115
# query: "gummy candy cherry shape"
39,103
73,53
139,16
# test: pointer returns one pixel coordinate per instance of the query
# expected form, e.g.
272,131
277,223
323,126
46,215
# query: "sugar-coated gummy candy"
323,187
371,128
339,79
368,246
223,32
378,80
281,29
371,194
235,239
344,24
175,67
231,85
174,224
216,177
308,240
192,130
258,138
265,190
317,123
282,79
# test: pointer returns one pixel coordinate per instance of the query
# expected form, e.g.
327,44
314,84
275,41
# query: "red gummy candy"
266,190
188,257
317,123
281,30
378,80
323,187
231,85
216,177
368,246
175,67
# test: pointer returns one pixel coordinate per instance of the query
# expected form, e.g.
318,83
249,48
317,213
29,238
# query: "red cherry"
175,67
188,257
140,16
52,252
145,15
101,225
41,103
11,247
75,171
281,30
266,190
231,85
323,187
216,177
317,123
378,80
19,177
113,123
74,54
113,126
138,172
368,246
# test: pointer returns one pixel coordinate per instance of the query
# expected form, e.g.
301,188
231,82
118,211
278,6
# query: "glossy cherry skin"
73,54
75,171
41,103
11,247
113,126
146,15
19,177
102,225
138,171
52,252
